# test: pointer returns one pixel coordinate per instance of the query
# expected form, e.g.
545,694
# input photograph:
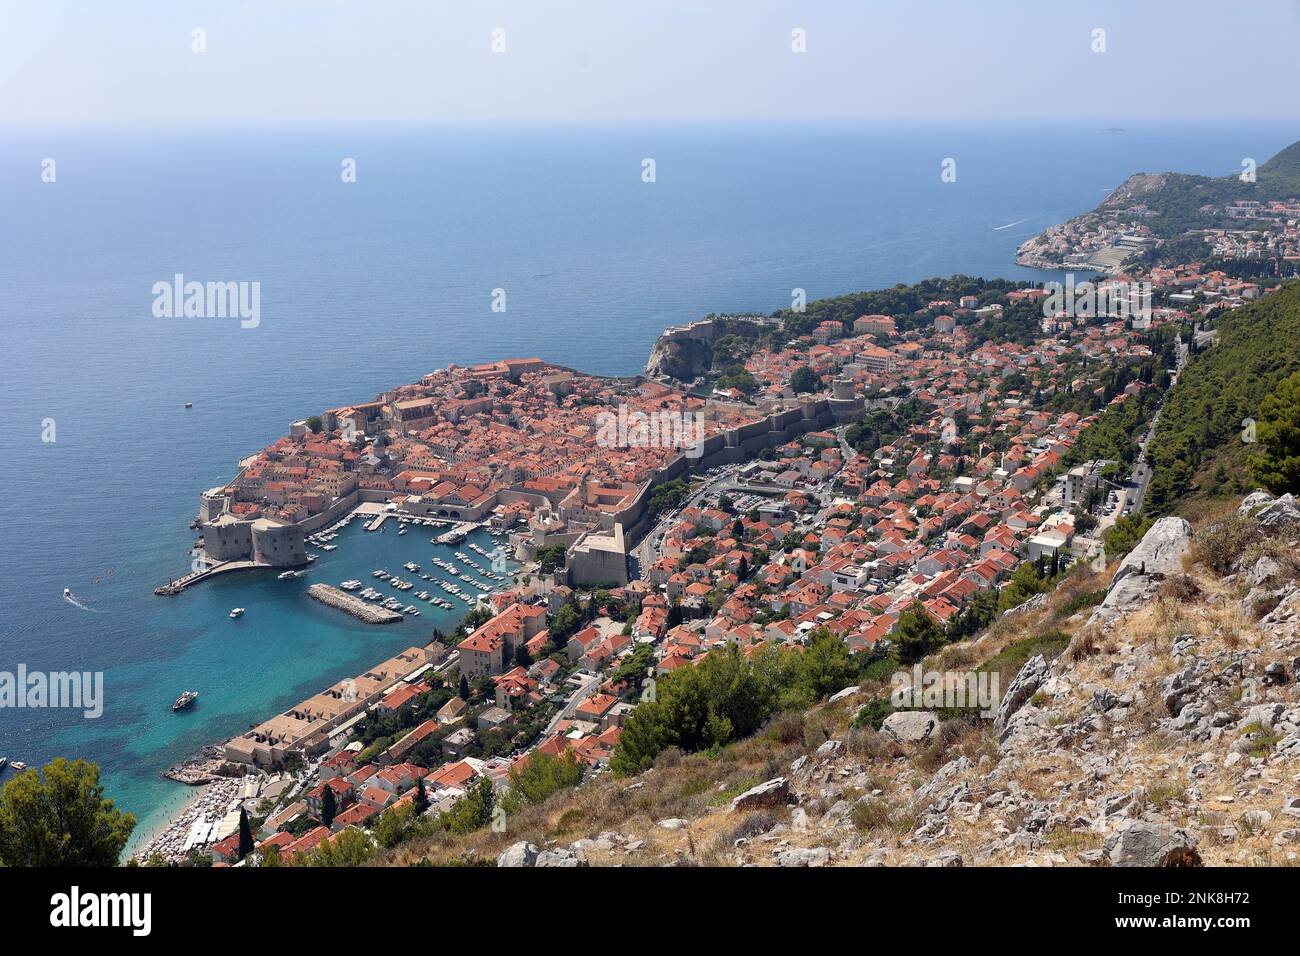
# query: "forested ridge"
1204,415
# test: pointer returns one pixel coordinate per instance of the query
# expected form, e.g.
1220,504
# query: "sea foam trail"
1010,224
72,599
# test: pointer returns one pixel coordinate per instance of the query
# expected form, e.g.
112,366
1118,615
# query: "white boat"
19,766
236,613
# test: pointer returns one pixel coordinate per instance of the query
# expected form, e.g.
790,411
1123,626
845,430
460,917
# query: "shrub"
873,713
1080,601
871,744
871,813
1181,587
752,825
1219,545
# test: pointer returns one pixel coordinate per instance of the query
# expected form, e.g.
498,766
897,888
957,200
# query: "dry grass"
1219,545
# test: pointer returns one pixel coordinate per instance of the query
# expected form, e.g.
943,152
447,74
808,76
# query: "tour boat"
237,612
185,700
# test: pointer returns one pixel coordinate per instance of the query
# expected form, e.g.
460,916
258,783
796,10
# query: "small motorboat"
3,761
236,613
19,766
184,701
189,404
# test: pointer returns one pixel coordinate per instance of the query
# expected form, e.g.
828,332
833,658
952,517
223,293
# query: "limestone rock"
841,695
1023,686
771,793
1142,843
802,856
560,858
910,726
518,854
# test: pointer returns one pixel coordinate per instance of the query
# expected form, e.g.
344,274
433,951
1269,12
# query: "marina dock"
358,608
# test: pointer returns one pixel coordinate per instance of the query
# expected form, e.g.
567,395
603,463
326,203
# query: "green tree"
472,811
824,667
1276,464
348,847
804,379
59,817
246,844
916,634
463,687
540,776
551,557
327,806
398,824
674,614
314,423
421,797
729,696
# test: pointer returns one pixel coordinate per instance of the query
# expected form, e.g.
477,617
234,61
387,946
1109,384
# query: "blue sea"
370,284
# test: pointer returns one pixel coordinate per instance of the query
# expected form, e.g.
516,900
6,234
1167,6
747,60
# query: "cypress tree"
246,845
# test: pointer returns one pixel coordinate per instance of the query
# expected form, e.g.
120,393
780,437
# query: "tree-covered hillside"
1198,441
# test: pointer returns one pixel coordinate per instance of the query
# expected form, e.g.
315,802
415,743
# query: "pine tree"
916,634
421,798
463,690
1276,464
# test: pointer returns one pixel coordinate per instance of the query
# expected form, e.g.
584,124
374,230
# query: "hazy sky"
130,61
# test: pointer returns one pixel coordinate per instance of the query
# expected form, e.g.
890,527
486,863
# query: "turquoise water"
371,285
286,647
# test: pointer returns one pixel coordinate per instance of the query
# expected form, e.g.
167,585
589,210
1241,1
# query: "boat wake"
72,599
1010,224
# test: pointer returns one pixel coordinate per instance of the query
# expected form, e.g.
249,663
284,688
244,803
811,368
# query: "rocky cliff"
685,353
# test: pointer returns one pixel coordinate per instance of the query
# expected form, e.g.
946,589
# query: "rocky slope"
1132,189
1157,726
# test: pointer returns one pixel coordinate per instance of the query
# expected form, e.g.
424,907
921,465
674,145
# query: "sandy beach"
210,803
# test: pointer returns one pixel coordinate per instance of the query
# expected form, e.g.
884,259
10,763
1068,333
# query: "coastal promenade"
194,577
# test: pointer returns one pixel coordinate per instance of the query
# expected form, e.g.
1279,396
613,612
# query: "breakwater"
358,608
